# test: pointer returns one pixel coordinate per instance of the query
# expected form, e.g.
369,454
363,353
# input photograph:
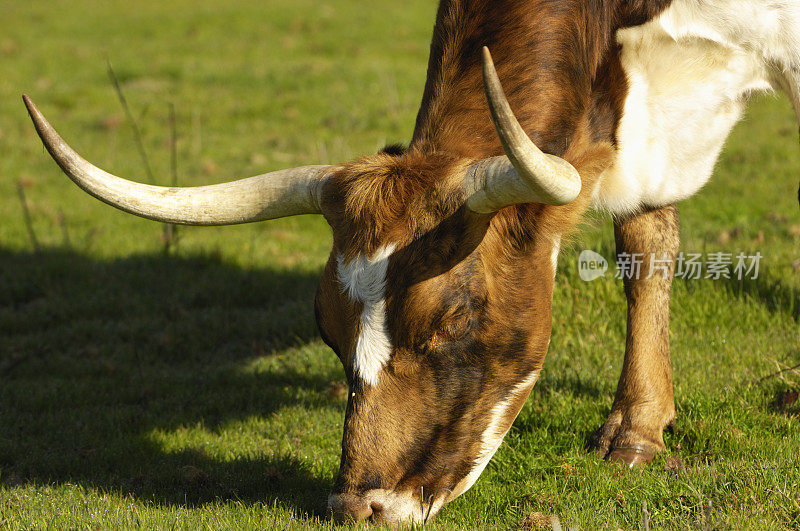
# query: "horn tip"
487,56
29,104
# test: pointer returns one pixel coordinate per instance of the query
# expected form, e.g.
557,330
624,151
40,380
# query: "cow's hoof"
600,441
615,444
632,456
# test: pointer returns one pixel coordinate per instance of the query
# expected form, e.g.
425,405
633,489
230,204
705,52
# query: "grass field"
188,390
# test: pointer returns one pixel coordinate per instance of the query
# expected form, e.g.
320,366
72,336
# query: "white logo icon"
591,266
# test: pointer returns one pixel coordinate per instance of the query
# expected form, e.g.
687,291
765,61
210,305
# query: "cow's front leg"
644,405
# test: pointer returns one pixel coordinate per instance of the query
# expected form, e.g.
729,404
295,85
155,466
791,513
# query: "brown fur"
644,405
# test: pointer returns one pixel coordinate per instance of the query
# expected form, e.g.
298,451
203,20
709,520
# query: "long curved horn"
272,195
526,174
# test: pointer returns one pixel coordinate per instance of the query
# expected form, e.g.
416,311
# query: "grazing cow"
437,293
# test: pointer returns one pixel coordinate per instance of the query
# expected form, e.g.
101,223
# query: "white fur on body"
691,71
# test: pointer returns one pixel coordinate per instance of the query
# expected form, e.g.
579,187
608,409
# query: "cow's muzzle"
381,505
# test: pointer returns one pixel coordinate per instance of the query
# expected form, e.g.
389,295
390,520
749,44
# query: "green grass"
192,390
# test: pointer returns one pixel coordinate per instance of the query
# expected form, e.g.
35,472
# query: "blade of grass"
170,229
26,213
136,132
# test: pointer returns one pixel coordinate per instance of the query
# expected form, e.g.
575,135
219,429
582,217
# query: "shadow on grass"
575,383
96,356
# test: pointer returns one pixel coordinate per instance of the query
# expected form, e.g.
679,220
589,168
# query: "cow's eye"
453,330
437,339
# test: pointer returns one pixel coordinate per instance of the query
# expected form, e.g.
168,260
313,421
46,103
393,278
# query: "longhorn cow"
437,293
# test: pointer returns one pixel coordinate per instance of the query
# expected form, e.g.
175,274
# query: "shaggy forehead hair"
390,198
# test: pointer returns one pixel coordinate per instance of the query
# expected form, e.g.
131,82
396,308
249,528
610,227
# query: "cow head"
439,342
438,308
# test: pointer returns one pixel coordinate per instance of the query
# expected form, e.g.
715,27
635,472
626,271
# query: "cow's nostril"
377,510
349,507
362,513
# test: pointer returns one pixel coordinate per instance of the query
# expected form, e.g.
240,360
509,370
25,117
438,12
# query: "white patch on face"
364,281
493,435
690,72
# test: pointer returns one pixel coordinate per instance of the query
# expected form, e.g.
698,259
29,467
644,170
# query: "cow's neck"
548,59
